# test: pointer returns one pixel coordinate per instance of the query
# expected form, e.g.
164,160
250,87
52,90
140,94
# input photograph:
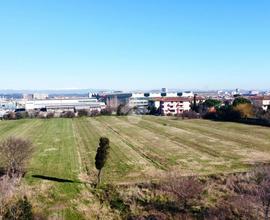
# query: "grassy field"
142,149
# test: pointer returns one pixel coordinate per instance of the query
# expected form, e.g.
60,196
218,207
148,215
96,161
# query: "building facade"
261,101
54,105
140,99
171,105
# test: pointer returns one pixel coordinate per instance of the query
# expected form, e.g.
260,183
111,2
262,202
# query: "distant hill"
56,91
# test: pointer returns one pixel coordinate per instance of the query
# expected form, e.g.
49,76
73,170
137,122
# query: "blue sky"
134,44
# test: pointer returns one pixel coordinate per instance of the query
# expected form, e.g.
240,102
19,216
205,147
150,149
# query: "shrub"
228,113
122,110
9,116
111,195
106,111
33,114
190,114
246,110
83,112
153,216
152,110
41,115
21,115
262,179
266,115
183,189
21,210
234,207
259,113
210,115
212,103
94,113
14,153
50,115
68,114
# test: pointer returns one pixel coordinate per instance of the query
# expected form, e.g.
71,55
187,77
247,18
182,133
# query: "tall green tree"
241,100
212,103
102,155
194,106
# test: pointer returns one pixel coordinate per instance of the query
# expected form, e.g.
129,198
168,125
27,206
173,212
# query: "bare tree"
83,112
184,189
106,111
262,178
94,113
8,188
232,207
10,116
20,210
14,153
50,115
68,114
123,109
264,195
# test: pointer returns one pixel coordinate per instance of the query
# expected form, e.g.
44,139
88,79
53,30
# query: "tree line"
65,114
241,108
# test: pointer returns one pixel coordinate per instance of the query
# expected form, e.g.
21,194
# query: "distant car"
20,110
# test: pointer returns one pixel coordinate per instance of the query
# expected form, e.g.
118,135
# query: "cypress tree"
102,155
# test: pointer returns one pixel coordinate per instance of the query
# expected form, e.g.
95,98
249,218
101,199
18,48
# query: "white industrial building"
35,96
7,105
140,99
61,104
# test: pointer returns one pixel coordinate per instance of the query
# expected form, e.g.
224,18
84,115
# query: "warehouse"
61,104
140,99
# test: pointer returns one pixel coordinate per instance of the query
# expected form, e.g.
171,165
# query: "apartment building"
171,105
261,101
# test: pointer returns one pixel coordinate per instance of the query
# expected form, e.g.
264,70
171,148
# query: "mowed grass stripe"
56,157
209,146
14,127
88,131
53,156
224,141
157,138
179,156
123,159
132,147
89,135
87,139
186,159
145,142
247,136
178,138
56,153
